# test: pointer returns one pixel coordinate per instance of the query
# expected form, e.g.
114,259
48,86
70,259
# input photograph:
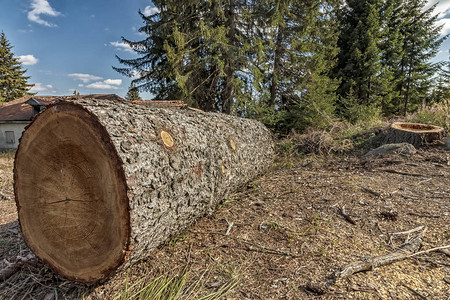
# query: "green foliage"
437,114
161,288
173,288
292,64
386,47
13,82
133,93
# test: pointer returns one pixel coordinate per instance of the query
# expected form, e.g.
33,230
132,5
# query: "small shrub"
437,114
314,141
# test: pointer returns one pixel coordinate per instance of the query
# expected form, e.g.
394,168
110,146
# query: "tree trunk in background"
276,66
229,91
99,184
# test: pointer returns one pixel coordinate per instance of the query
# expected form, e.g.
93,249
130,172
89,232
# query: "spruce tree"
391,46
421,41
294,71
359,66
13,82
193,51
152,71
133,93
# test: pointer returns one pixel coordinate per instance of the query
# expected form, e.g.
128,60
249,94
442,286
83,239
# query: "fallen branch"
415,292
446,252
12,268
423,215
408,232
367,190
346,216
406,251
402,173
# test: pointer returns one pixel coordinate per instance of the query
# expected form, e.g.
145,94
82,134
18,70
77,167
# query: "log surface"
100,184
415,134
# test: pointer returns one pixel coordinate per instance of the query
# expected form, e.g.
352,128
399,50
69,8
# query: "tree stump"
415,134
99,184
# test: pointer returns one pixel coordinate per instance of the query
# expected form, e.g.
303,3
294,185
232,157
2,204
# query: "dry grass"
288,235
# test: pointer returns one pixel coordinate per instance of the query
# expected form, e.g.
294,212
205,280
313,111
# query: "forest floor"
284,235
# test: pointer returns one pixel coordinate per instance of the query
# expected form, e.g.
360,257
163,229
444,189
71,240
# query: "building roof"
20,110
169,104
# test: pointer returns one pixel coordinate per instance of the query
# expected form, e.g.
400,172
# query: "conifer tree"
359,66
133,93
152,71
421,40
193,51
13,82
294,71
391,46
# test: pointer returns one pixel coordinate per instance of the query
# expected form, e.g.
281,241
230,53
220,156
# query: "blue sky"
67,45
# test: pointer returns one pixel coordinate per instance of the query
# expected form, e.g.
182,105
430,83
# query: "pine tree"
133,93
391,46
152,71
193,51
293,75
421,41
359,66
13,83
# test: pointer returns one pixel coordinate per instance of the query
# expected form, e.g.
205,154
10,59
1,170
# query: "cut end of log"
71,194
167,139
416,127
415,134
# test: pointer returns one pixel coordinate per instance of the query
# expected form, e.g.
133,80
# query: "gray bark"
173,182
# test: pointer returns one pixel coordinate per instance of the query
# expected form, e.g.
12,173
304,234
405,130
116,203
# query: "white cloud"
442,8
80,85
84,77
113,81
121,46
28,60
446,25
39,87
150,10
42,7
102,86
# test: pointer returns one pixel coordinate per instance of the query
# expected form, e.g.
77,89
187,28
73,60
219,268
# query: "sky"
68,45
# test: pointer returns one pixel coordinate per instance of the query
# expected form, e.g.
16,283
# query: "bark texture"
415,134
99,184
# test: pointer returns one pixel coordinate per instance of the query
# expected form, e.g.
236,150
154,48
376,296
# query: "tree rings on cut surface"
166,138
71,194
414,133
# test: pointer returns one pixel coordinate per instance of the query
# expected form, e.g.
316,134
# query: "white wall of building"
16,127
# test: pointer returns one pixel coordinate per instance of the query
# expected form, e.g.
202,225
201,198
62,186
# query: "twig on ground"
402,173
429,250
446,252
346,216
407,250
423,215
264,248
12,268
367,190
230,225
408,232
414,291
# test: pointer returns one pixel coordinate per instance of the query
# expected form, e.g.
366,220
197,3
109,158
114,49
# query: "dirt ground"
286,235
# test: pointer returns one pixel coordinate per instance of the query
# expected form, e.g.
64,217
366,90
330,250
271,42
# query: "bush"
437,114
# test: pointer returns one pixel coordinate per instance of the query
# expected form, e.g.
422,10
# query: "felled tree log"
99,184
415,134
